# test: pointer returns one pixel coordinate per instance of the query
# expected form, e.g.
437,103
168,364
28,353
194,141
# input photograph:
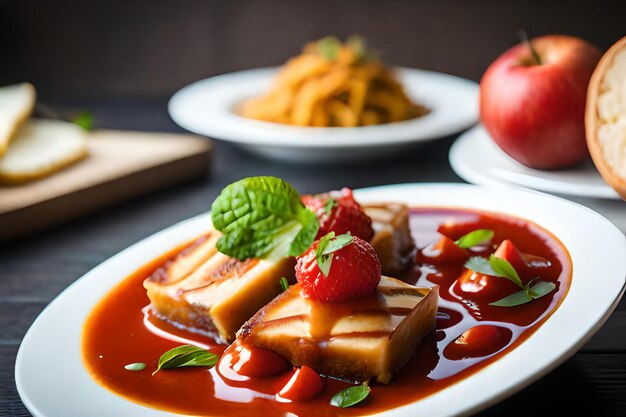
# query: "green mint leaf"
137,366
337,243
538,290
330,205
84,119
350,396
515,299
186,355
358,46
284,284
329,47
261,217
475,238
481,265
541,288
504,269
328,245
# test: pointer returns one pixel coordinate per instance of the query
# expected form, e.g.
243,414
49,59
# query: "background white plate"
477,159
52,381
207,107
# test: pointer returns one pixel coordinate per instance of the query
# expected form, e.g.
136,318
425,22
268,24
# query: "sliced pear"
41,148
605,117
16,105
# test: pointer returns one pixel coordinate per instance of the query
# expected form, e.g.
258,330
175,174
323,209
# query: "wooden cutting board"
120,165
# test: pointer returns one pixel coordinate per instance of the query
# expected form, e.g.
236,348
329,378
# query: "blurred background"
147,49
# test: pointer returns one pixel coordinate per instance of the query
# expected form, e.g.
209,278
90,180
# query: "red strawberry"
338,269
339,212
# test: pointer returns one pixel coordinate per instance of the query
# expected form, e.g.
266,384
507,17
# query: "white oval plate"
207,107
52,381
477,159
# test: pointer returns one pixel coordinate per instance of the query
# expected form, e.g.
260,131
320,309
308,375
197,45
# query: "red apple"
533,104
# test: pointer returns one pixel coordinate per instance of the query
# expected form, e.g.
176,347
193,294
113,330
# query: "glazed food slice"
392,236
355,340
605,117
208,292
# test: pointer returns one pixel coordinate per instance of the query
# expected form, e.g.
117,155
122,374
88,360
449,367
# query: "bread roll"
605,117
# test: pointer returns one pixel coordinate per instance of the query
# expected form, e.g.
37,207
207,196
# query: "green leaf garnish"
329,47
284,284
526,295
262,217
84,119
504,269
481,265
137,366
328,245
357,44
475,238
350,396
329,205
186,355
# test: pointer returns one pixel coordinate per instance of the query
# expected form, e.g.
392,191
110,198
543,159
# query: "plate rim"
274,135
158,239
463,170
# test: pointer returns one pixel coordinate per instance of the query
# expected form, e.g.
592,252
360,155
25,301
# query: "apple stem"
524,38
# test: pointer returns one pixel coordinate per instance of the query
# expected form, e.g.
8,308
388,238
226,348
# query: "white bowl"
208,107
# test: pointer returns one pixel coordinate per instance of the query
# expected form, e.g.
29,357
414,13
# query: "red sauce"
120,330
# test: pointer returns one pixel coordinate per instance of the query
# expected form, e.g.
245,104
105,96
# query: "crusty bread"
40,148
605,117
16,105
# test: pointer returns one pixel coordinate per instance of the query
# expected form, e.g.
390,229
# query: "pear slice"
16,105
605,117
41,148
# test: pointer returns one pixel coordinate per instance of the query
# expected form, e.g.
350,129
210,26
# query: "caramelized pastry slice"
368,337
205,291
392,236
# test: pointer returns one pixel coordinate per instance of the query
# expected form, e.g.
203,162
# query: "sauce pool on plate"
470,334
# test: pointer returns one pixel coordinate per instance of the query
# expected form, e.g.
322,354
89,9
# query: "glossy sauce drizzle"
121,330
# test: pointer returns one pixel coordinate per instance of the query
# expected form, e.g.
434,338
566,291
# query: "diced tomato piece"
444,251
509,252
478,341
255,361
480,287
305,384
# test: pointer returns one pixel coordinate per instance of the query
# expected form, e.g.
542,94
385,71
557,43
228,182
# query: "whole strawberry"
339,212
338,268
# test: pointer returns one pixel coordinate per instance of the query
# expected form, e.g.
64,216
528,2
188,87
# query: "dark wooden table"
36,269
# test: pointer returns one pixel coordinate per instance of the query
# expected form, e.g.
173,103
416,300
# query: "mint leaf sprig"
327,246
350,396
499,267
186,355
262,217
475,238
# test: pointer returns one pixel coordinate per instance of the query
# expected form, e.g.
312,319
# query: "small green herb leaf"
262,217
350,396
481,265
329,205
538,290
329,47
84,119
357,44
515,299
504,269
541,288
475,238
186,355
137,366
284,284
328,245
